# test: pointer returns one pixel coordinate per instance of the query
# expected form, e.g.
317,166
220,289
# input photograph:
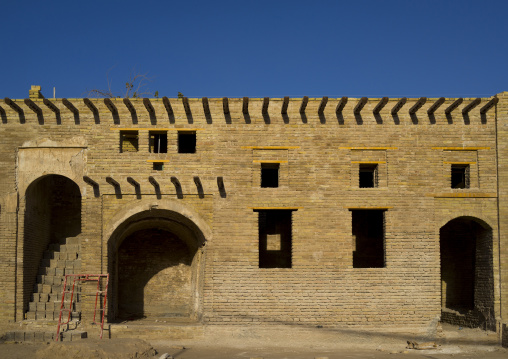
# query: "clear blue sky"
257,48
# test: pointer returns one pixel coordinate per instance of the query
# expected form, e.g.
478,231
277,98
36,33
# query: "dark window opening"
186,142
129,141
275,239
158,142
460,176
158,166
368,175
368,238
270,175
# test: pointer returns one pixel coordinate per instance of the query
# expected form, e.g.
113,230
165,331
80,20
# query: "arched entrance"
52,214
467,273
155,263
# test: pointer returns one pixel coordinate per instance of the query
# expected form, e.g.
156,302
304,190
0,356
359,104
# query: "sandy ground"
274,342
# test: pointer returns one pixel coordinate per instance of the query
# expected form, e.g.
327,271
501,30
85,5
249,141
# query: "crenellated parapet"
342,111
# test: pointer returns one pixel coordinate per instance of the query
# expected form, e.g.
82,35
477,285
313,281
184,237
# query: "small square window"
158,166
129,141
368,175
158,142
186,142
270,175
460,176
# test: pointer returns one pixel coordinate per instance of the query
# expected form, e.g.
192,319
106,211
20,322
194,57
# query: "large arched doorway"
52,214
467,273
155,262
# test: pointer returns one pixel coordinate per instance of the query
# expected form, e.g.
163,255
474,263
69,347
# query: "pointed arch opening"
467,273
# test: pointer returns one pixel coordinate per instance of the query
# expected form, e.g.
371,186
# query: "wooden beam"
303,106
129,106
70,106
153,181
360,104
111,106
112,181
132,181
176,183
220,183
435,106
421,101
33,106
90,181
149,106
197,181
382,103
471,105
225,105
186,106
341,104
489,105
90,105
206,106
322,105
13,105
245,106
51,105
167,105
398,106
285,103
266,102
453,106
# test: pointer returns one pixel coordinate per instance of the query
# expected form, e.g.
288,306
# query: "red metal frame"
83,278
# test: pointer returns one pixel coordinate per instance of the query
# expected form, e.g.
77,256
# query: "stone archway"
467,273
52,215
155,262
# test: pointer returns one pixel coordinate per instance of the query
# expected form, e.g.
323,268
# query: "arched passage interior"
155,262
467,273
52,214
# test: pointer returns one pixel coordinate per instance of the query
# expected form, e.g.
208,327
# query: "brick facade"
210,204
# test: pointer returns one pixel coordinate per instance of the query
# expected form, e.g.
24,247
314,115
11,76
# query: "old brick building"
364,213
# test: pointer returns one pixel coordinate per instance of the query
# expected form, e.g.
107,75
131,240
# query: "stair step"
73,335
29,336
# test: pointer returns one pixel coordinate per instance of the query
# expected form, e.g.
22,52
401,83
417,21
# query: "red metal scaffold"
98,292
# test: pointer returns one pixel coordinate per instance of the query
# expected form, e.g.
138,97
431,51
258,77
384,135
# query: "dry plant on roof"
136,86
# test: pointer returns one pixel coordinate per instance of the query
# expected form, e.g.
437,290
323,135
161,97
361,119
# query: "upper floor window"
129,141
460,176
158,142
368,175
186,141
270,175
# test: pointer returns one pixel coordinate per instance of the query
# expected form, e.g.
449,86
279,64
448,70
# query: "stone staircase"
58,260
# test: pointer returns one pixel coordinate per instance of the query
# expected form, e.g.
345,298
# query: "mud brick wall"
213,198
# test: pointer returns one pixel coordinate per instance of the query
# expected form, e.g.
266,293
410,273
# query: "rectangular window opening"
158,142
186,142
460,176
368,238
129,141
275,238
158,166
270,175
368,175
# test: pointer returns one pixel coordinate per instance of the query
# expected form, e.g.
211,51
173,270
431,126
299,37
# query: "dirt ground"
274,342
